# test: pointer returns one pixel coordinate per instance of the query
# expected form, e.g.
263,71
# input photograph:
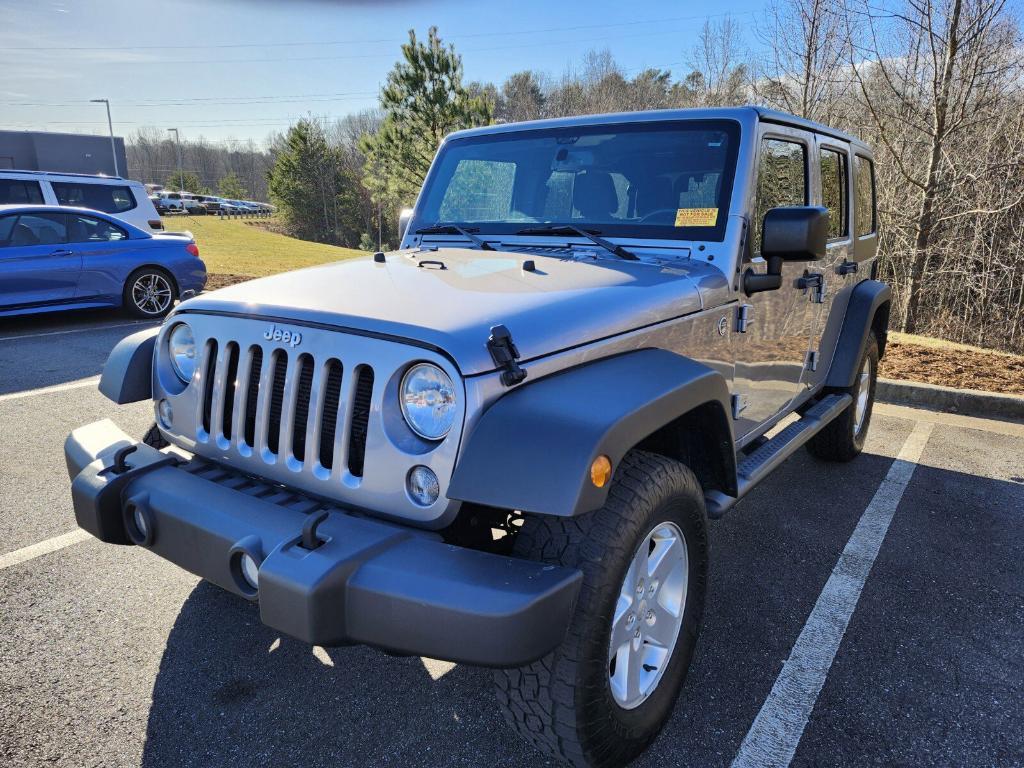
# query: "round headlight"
182,348
428,401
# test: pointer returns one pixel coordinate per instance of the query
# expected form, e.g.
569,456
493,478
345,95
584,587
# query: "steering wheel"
646,218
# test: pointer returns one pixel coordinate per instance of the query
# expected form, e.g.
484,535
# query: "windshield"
646,180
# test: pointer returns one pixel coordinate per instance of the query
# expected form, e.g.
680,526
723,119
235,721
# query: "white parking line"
773,738
90,382
42,548
77,330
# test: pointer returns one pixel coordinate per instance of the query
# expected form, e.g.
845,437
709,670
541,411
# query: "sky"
231,70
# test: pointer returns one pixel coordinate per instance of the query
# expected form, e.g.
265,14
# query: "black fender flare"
128,373
533,448
866,300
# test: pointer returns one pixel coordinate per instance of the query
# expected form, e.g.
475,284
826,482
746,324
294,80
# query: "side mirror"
798,233
404,217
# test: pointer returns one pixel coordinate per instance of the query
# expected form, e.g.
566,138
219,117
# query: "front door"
772,354
37,266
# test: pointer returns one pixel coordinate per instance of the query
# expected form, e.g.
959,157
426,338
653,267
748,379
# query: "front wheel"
602,696
149,292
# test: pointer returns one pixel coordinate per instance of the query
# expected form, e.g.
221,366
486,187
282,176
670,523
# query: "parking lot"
110,656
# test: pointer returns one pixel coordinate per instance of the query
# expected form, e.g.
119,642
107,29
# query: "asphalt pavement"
110,656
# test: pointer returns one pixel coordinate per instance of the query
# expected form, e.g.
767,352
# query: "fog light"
600,471
166,413
423,486
250,570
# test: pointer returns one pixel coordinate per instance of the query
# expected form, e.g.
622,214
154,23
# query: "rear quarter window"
864,196
20,192
108,198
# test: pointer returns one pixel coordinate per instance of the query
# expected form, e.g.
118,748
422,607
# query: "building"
60,152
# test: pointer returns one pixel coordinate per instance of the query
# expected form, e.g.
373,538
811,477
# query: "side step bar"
763,461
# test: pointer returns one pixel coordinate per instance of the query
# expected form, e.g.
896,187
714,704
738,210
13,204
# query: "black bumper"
368,582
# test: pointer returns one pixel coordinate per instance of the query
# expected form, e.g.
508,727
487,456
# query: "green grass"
236,247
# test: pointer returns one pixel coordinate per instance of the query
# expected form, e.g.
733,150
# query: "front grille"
285,404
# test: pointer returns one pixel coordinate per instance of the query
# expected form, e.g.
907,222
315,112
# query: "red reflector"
193,249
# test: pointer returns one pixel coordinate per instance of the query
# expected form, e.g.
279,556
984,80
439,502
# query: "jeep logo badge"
291,338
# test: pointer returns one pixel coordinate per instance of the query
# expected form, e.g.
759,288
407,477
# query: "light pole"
110,125
177,144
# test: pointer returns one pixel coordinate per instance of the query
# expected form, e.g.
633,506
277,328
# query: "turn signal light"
600,471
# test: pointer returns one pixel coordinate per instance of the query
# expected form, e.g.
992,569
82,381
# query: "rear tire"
573,704
149,292
843,438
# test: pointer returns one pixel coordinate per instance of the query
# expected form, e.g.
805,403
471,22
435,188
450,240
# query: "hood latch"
504,353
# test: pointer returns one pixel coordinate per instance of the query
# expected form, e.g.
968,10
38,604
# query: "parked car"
126,200
502,444
56,257
210,203
170,202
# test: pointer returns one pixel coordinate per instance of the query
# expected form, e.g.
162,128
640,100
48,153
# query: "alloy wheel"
863,394
152,293
648,615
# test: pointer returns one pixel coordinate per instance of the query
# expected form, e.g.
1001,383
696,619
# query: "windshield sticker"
696,217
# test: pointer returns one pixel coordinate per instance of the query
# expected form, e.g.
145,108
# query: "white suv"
121,198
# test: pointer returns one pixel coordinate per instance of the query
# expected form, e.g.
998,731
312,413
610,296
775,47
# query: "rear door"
37,266
833,191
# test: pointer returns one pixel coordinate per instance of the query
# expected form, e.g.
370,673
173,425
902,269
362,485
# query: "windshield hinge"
504,353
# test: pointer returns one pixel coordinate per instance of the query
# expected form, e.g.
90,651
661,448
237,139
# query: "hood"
450,298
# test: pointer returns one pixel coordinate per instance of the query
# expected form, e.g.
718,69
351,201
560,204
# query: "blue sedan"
55,257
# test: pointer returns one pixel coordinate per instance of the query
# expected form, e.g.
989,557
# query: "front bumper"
369,582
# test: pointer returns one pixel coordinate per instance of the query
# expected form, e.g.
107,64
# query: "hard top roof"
746,115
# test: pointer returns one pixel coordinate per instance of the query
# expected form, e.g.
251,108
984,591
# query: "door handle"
62,252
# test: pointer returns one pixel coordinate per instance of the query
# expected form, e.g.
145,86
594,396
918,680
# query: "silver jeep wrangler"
501,444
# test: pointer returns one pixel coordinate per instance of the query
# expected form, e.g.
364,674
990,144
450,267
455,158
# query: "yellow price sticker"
696,217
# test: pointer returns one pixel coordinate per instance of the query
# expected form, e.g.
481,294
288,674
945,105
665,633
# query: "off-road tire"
840,440
154,439
563,703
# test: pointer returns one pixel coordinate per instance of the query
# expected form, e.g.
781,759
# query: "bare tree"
806,68
934,76
718,63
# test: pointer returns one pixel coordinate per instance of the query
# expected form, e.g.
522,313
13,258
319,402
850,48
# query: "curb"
968,402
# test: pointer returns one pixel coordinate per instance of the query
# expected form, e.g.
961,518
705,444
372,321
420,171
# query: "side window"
864,191
480,190
781,179
100,197
6,229
20,192
835,191
39,229
86,229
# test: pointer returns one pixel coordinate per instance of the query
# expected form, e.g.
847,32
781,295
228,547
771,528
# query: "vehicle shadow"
231,691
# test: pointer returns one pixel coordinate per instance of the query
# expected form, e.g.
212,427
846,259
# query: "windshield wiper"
569,229
455,229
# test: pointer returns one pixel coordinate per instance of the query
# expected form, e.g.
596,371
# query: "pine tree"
304,183
186,181
424,100
231,187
